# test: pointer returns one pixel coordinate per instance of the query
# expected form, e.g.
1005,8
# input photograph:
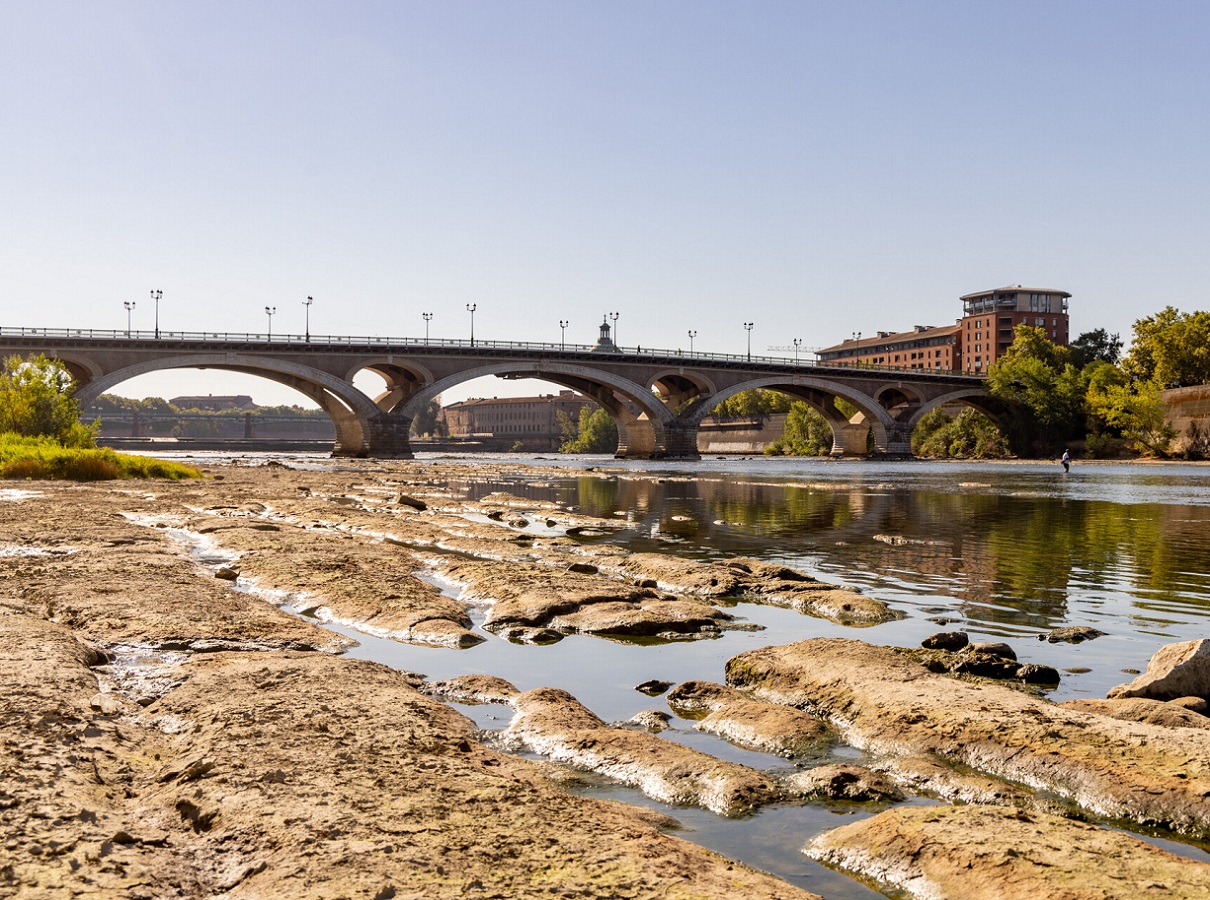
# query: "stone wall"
1188,406
749,434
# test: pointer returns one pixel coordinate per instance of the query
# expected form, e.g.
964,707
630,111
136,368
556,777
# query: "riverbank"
172,732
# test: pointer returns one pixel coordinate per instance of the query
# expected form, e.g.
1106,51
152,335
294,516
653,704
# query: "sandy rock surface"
752,724
887,704
164,732
993,853
553,723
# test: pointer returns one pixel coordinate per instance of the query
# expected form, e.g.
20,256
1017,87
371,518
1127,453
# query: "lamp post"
614,316
307,303
748,328
797,344
156,295
470,308
563,323
692,335
269,311
428,317
129,304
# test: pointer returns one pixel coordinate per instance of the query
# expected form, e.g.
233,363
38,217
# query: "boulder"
1074,634
991,853
844,781
994,648
946,640
1176,670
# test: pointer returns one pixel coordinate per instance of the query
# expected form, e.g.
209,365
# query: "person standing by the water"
1066,461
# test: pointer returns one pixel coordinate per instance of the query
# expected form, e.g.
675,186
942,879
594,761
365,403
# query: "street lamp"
470,308
797,344
748,328
428,317
614,316
563,323
156,295
129,304
307,303
692,335
269,311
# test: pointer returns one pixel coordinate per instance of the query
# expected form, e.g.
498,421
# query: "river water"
1003,551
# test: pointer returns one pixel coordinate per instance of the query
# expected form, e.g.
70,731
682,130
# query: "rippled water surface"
1001,551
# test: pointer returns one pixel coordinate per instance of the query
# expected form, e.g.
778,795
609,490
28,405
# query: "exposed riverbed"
1001,552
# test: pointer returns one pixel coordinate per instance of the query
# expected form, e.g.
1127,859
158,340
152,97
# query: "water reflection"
1008,549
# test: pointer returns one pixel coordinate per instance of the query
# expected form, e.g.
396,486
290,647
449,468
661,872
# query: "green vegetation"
807,433
756,402
969,435
36,401
41,436
1058,394
596,433
44,458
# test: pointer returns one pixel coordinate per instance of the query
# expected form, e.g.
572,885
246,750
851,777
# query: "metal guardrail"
316,342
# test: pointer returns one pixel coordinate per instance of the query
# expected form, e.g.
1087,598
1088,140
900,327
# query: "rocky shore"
175,722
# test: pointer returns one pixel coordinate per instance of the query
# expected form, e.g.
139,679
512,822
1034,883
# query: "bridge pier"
898,442
386,437
851,439
680,440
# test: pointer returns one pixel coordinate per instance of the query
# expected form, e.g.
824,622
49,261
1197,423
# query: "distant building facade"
214,402
531,421
977,340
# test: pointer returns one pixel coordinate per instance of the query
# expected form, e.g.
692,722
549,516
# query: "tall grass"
44,458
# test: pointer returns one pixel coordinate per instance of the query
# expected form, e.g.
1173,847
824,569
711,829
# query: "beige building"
978,339
532,421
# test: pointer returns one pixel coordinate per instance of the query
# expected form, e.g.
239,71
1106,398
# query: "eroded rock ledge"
990,853
886,704
553,723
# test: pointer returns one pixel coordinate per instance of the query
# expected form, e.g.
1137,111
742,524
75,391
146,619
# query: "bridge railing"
318,341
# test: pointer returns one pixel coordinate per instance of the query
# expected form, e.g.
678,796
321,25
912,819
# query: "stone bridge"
657,397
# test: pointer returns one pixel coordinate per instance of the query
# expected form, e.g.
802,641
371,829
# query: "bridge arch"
646,427
848,436
402,379
678,388
351,411
976,399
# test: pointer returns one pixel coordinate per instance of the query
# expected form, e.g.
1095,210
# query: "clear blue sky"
816,168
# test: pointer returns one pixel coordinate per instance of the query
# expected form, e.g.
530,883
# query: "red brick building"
971,345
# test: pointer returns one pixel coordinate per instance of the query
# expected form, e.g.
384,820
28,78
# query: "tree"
36,401
756,402
807,433
969,435
1094,346
598,433
426,421
1046,392
1171,348
1137,410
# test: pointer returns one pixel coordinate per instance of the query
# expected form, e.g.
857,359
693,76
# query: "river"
1002,551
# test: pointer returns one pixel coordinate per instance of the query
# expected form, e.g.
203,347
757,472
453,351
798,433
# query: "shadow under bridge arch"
354,415
850,434
646,427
